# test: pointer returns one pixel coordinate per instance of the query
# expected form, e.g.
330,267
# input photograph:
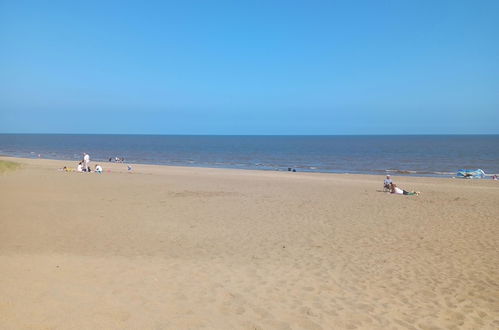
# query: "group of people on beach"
84,166
389,185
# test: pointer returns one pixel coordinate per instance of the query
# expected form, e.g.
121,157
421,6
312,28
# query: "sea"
413,155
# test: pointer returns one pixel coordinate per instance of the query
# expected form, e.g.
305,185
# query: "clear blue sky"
249,67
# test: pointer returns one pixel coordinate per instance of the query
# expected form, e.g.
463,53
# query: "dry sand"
194,248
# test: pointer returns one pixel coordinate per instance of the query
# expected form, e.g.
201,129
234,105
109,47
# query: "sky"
249,67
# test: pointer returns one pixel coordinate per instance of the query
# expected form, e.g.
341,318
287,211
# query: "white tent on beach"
471,174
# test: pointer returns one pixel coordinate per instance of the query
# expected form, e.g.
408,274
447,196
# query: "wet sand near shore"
197,248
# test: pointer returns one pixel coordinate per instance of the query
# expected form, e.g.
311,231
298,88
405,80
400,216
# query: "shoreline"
405,155
399,173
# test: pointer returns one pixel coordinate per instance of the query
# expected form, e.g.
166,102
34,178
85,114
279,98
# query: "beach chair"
387,186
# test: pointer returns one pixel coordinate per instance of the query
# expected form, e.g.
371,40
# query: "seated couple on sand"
388,185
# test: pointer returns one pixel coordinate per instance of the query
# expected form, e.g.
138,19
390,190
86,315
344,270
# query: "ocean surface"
422,155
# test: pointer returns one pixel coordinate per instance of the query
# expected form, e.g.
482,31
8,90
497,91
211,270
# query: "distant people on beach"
396,190
117,159
494,177
81,168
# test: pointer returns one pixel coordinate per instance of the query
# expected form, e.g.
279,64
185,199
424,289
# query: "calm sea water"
403,155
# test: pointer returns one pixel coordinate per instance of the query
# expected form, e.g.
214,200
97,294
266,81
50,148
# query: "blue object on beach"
471,174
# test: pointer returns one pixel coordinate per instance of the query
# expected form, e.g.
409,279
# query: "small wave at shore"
415,172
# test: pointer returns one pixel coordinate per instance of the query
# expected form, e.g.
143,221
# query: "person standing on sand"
86,160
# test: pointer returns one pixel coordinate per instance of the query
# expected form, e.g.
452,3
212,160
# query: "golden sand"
195,248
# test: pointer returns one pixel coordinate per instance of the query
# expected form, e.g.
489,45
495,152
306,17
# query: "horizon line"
201,134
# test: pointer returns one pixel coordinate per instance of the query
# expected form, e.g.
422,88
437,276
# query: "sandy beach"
197,248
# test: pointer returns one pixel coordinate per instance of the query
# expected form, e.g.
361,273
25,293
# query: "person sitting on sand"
387,184
79,168
398,191
98,169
